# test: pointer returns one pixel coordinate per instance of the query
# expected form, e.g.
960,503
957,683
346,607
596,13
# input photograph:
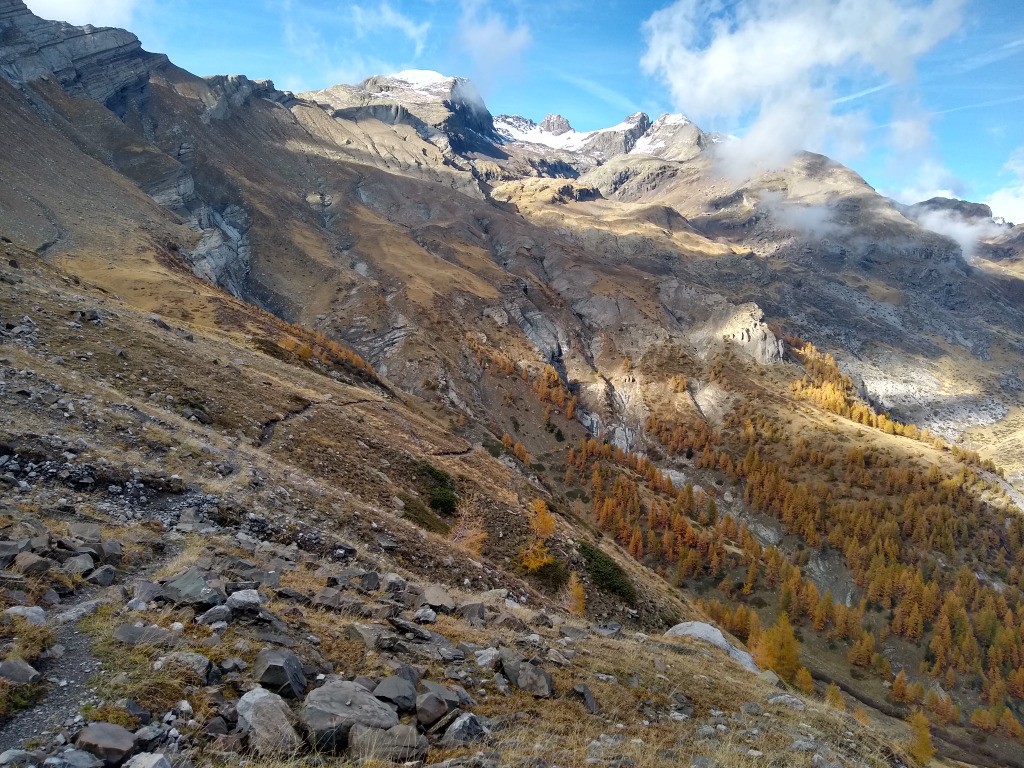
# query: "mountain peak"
555,125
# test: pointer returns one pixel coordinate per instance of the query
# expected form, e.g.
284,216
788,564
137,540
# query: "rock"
612,629
771,678
535,680
194,663
474,613
103,576
148,760
398,691
400,743
368,634
89,533
450,697
215,614
280,671
244,600
752,708
191,588
147,591
582,692
510,662
467,729
488,658
425,615
268,721
329,712
30,564
73,758
392,582
79,564
19,672
788,700
700,630
109,742
511,623
129,634
16,758
438,598
430,708
31,614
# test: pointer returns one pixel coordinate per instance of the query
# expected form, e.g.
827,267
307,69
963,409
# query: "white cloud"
383,16
966,233
1008,202
780,62
100,13
494,46
931,179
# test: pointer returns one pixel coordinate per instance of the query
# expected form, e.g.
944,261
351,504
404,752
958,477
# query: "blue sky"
919,96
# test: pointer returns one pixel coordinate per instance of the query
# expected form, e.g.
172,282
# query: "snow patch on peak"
422,78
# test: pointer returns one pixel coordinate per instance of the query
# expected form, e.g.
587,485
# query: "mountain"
475,409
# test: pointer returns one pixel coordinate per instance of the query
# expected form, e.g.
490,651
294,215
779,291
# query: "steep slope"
599,320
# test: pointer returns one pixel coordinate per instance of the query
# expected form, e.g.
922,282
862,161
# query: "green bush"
439,488
607,574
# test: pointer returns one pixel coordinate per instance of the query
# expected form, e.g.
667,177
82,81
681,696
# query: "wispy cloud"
368,20
860,94
106,13
494,45
780,62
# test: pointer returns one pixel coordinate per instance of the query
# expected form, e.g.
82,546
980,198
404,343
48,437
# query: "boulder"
398,691
268,721
19,672
195,664
109,742
15,758
191,588
130,634
398,744
280,671
31,614
73,758
103,576
214,615
510,662
29,564
467,729
474,613
430,708
700,630
536,681
438,598
78,565
148,760
788,700
582,692
329,712
244,600
89,533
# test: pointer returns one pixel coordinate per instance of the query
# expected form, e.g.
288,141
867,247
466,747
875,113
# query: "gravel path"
67,678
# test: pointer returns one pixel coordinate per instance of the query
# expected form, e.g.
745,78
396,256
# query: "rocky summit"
363,425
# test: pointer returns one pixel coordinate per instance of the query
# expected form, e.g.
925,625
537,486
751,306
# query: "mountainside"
342,351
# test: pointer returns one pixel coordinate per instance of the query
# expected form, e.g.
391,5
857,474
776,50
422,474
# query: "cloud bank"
780,64
1008,202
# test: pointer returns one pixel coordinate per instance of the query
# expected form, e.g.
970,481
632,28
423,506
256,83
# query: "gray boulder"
110,743
466,729
398,744
86,532
267,719
19,672
398,691
329,712
430,708
438,599
148,760
191,588
244,600
103,576
194,664
129,634
78,565
280,671
699,630
29,564
72,758
536,681
32,614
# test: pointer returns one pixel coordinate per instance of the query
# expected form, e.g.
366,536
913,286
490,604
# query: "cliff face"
101,64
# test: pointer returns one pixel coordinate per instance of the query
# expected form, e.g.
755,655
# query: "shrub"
607,574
